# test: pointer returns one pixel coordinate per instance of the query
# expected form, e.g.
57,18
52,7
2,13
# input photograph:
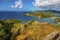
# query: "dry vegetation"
36,31
32,30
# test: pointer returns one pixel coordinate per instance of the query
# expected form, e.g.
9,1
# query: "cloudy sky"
28,5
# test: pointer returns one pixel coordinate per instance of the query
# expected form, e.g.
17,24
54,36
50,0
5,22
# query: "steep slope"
36,31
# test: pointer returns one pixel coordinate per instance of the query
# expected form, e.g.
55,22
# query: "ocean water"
19,16
14,15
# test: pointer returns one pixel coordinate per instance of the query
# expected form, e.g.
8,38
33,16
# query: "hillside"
32,30
36,31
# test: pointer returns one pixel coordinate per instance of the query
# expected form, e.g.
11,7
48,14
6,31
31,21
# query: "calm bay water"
19,15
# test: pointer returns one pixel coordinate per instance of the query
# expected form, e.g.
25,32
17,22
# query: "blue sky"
6,5
28,5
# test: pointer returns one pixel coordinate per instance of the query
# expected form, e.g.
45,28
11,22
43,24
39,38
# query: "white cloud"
12,6
39,3
47,4
18,4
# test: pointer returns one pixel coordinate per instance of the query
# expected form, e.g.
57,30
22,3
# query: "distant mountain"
54,11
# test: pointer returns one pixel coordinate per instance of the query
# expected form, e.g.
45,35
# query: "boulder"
53,36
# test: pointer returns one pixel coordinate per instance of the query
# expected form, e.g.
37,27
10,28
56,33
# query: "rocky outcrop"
53,36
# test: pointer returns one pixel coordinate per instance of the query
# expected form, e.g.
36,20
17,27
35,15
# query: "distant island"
43,14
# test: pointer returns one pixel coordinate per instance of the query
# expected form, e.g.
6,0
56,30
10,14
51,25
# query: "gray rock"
58,37
53,36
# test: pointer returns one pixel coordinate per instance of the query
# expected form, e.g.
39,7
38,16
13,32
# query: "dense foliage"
57,20
8,30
